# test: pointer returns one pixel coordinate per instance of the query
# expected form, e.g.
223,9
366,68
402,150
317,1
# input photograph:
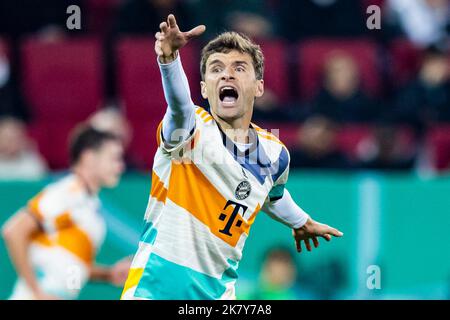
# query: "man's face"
108,163
230,85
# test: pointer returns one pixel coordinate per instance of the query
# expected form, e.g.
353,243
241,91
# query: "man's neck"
236,130
90,184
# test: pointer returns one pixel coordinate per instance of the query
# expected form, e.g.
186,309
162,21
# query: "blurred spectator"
278,278
317,146
18,156
251,17
424,22
385,150
317,18
142,17
111,119
427,98
341,98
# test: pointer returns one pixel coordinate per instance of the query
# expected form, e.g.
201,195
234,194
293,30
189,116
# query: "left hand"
311,230
119,272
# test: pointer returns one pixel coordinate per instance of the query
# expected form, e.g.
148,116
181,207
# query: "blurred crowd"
420,102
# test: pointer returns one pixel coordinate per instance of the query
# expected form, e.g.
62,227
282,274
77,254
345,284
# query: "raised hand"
310,231
170,39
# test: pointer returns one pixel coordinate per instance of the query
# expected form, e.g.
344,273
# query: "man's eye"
215,70
240,69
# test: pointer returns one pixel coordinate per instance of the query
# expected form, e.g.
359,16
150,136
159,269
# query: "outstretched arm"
304,228
179,119
115,274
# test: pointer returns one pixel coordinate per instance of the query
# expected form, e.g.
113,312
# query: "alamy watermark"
373,22
73,22
373,281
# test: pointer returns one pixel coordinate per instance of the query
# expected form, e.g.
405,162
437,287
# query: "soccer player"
213,172
53,241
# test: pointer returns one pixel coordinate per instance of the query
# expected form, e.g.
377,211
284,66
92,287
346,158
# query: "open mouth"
228,95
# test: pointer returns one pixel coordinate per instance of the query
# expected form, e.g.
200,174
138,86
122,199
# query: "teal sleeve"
276,192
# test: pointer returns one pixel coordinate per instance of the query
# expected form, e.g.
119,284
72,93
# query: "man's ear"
259,88
88,157
203,89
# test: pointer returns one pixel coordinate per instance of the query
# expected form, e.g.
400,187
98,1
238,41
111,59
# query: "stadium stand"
62,79
311,55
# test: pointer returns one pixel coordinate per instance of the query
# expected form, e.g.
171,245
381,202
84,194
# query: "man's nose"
228,74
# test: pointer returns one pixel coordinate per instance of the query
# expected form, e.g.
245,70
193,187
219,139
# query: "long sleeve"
179,119
286,211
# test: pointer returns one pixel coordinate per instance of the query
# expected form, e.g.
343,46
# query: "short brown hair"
229,41
84,137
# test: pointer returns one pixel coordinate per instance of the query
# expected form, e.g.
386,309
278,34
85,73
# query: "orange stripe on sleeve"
42,239
158,191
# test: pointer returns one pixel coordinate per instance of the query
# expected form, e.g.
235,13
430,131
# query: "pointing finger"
334,232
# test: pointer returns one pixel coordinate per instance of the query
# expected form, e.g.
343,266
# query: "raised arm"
179,118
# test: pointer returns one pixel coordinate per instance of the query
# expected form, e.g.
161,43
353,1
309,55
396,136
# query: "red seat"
379,3
439,142
404,61
287,132
139,79
101,14
62,80
312,55
349,137
53,141
276,72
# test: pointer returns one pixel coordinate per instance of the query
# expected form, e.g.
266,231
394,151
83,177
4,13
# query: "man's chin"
111,183
230,113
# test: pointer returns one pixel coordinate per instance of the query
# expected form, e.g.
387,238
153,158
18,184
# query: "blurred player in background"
213,172
54,240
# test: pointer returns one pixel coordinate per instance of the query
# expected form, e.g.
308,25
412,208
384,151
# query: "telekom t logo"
232,217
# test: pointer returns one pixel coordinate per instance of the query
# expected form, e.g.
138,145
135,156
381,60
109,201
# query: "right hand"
170,39
311,230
